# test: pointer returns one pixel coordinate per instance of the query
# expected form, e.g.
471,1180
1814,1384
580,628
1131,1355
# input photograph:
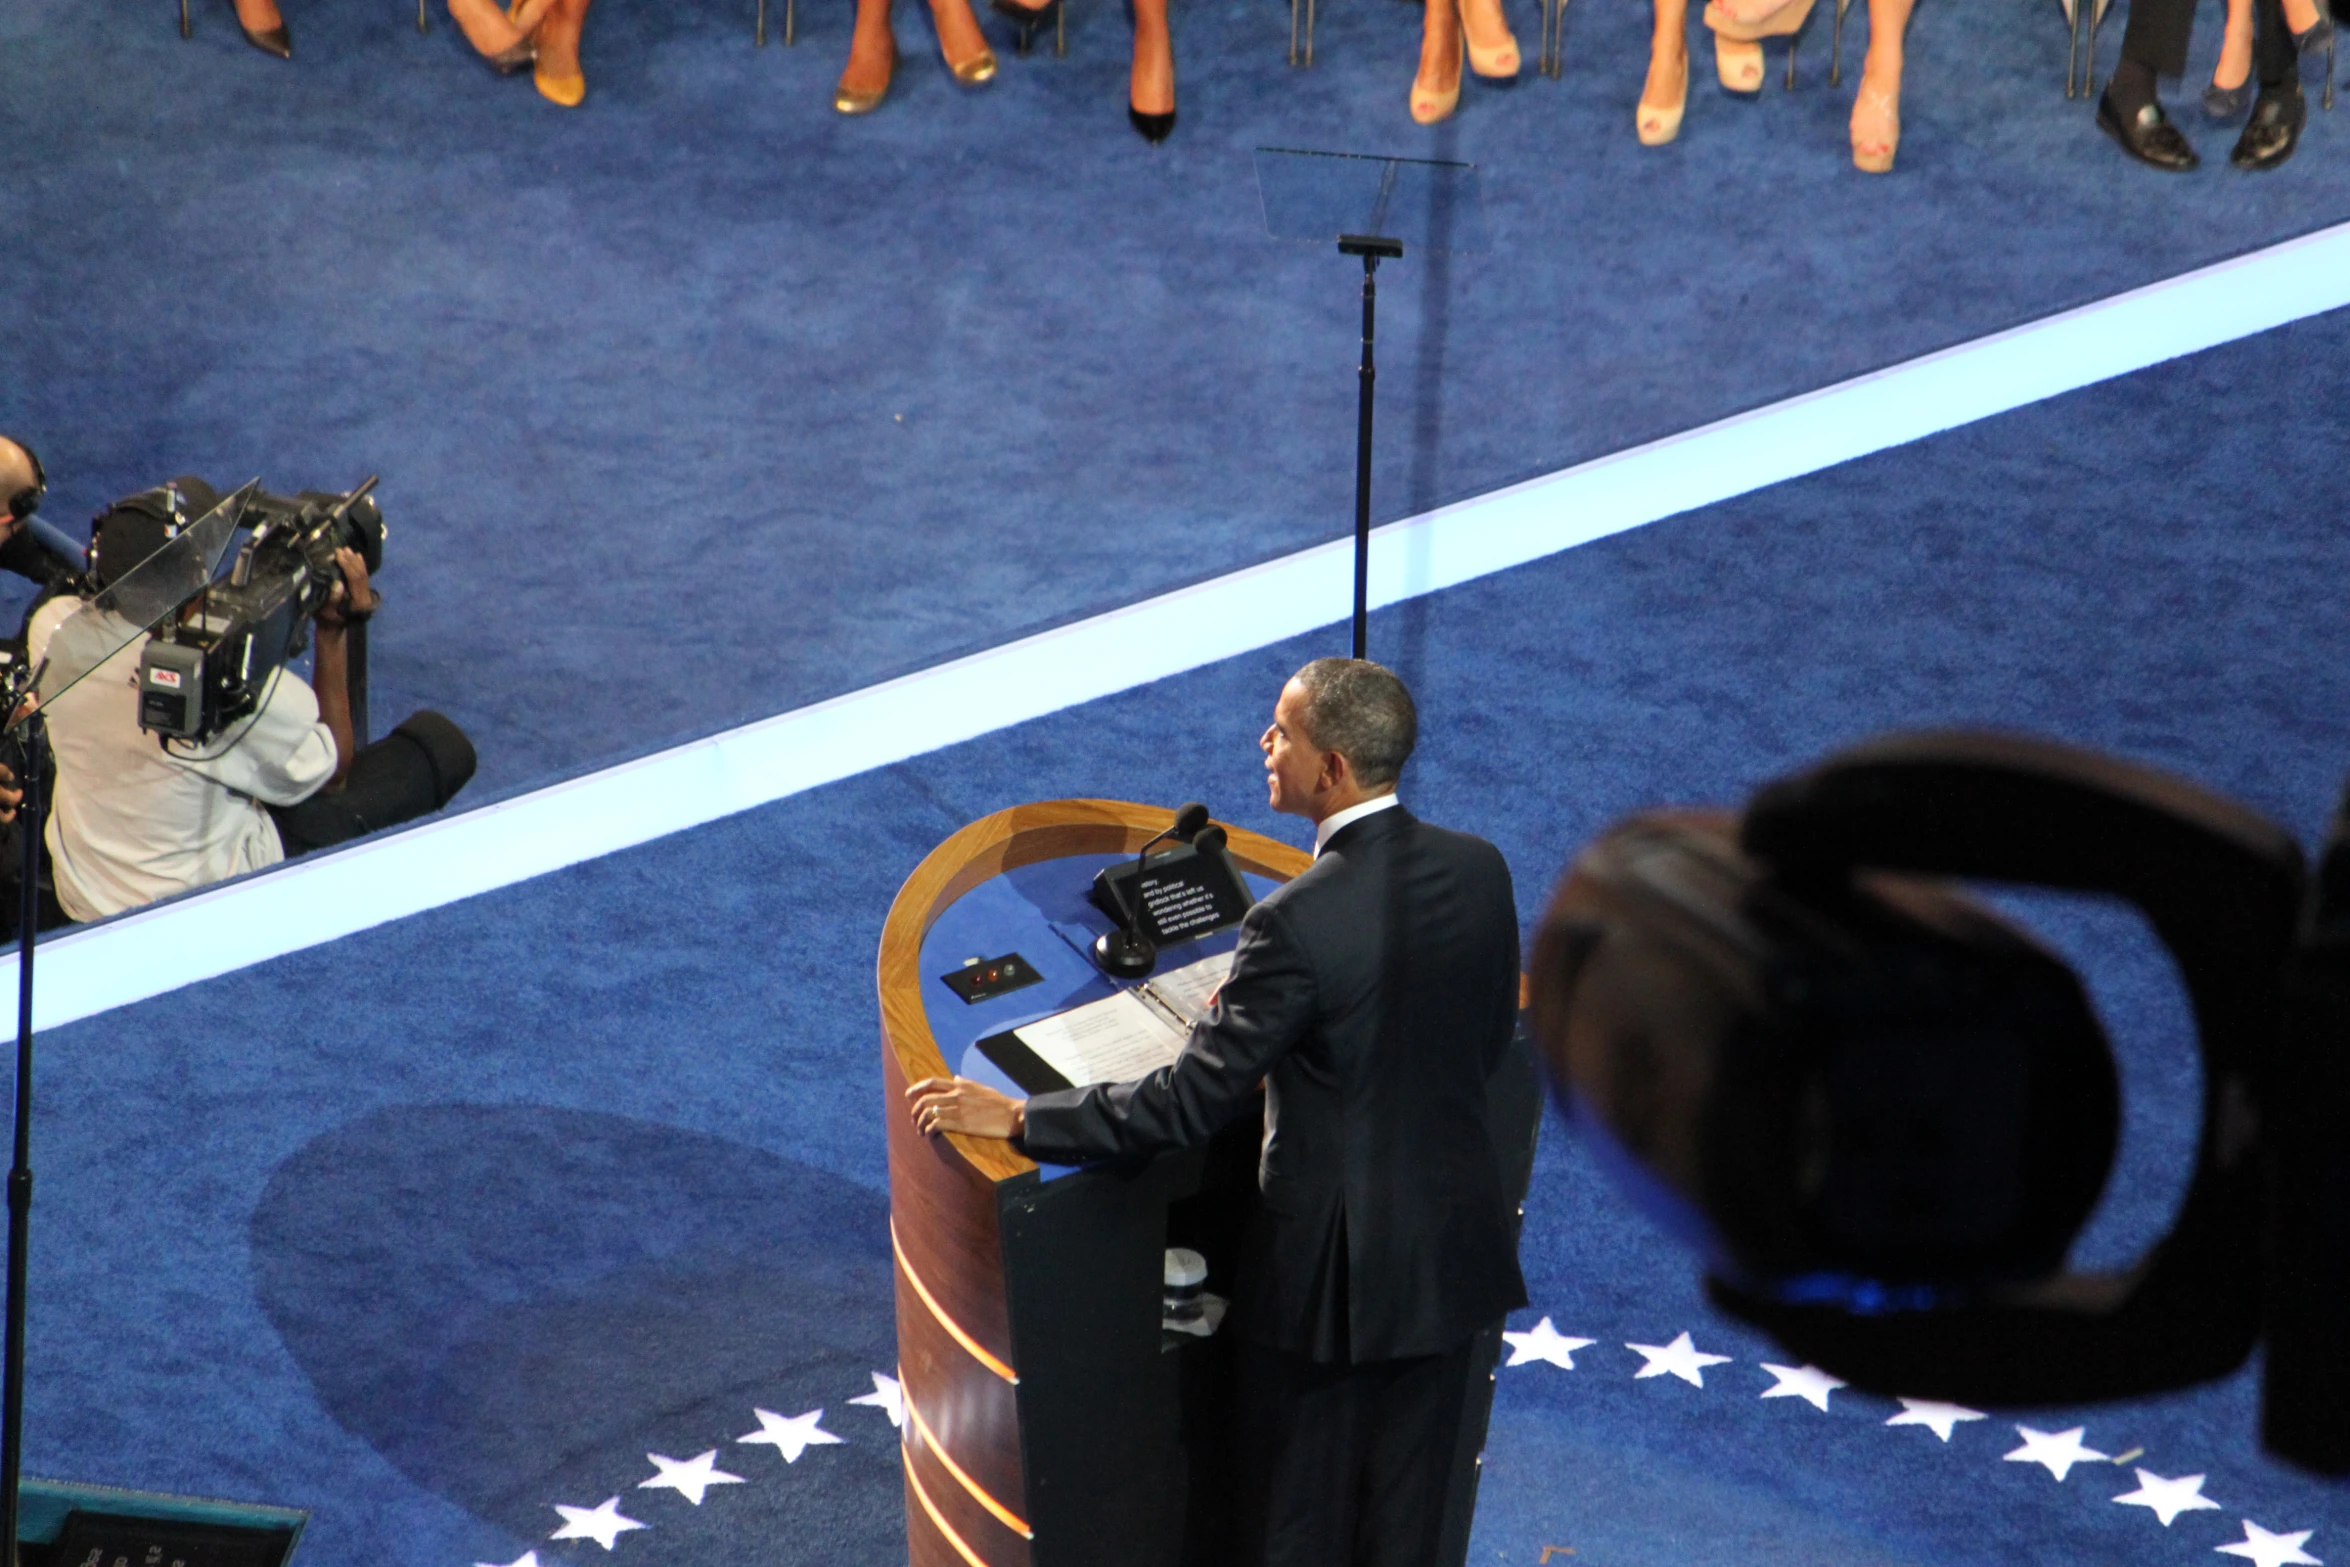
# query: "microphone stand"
1371,247
32,750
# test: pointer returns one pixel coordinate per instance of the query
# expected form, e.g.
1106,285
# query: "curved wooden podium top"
1022,835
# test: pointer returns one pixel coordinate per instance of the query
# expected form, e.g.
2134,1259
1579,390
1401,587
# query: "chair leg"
2328,100
1061,30
1836,46
423,22
759,27
185,30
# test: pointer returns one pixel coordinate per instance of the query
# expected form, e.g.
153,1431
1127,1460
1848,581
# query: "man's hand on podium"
957,1104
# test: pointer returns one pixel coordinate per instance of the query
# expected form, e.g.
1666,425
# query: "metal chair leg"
423,22
1836,45
2328,100
1309,32
185,30
1061,30
759,28
1793,39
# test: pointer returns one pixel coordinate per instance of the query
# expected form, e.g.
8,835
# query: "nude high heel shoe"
1876,127
1430,104
1494,60
1658,123
1739,29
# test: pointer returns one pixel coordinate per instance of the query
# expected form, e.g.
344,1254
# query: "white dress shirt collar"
1328,826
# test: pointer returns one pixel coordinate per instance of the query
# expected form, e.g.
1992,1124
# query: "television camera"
212,664
1880,1113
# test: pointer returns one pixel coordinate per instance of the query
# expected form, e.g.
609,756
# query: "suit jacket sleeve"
1266,1006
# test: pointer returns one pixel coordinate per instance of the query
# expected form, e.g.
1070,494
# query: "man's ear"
1335,772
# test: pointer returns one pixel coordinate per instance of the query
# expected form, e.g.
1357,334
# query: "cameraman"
136,819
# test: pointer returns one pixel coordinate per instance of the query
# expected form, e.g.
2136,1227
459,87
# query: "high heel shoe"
863,95
556,71
960,42
2225,103
1152,50
1738,56
1494,61
1876,127
276,41
2317,36
1658,124
1430,105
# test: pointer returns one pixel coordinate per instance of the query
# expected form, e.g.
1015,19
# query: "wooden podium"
1049,1419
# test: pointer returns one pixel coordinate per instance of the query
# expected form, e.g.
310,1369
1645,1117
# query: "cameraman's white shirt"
133,822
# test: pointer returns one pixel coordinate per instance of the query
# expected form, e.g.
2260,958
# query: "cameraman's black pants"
411,772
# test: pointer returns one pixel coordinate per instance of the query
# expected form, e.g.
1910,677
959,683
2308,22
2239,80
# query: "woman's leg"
1666,91
261,16
1493,48
2235,47
558,75
1151,88
490,30
961,42
1876,109
873,55
1436,90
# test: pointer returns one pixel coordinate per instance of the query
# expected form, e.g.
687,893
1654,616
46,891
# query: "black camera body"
213,666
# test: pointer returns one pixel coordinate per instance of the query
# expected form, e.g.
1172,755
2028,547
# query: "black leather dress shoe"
2146,135
270,40
2274,129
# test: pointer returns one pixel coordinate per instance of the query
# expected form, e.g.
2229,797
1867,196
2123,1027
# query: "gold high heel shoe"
961,43
1494,61
863,96
562,87
1658,124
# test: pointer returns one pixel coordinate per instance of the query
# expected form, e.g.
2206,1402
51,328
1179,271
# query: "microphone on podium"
1126,953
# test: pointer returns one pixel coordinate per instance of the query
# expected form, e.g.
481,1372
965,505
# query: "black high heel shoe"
1153,128
513,62
2318,35
269,40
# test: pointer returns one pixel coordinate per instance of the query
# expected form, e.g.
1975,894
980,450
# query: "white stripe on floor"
319,899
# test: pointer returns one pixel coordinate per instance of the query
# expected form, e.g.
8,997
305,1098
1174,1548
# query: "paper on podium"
1131,1034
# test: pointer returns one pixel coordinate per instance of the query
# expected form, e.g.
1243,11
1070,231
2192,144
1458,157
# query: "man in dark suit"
1372,996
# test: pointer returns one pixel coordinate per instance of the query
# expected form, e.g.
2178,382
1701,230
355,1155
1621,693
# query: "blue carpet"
437,1227
704,402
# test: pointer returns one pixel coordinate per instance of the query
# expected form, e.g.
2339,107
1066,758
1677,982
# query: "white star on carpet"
690,1478
2058,1452
527,1559
1808,1383
789,1437
885,1397
1934,1415
1546,1343
602,1524
2271,1550
2167,1498
1680,1358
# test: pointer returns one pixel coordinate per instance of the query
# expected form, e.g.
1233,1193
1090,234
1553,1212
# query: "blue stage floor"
703,402
440,1227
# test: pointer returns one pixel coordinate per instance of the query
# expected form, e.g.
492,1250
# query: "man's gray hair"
1362,711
